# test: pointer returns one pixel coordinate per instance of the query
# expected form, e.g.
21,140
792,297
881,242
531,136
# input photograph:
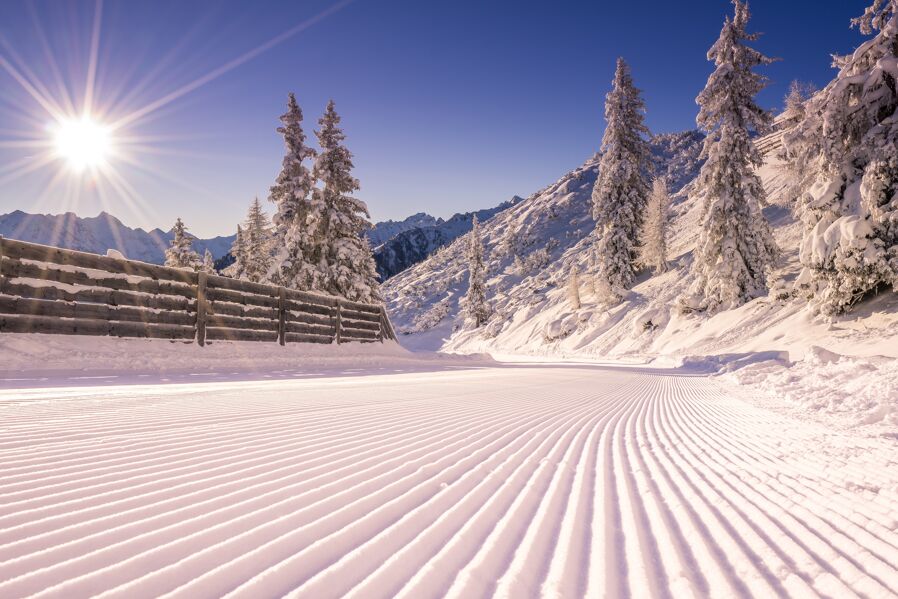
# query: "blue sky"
447,106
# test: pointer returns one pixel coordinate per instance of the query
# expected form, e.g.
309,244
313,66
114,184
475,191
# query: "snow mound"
824,385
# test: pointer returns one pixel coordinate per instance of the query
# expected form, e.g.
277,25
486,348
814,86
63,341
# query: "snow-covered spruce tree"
238,251
296,226
797,164
654,232
342,251
850,206
735,248
208,265
796,99
622,189
474,305
180,254
257,240
573,288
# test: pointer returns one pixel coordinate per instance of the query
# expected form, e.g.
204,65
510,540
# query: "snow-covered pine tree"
257,239
573,288
654,232
208,265
796,98
797,164
343,253
180,254
850,206
238,251
474,305
296,226
735,247
622,189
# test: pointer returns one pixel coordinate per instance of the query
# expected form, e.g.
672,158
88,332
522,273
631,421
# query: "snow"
532,310
841,391
510,480
57,360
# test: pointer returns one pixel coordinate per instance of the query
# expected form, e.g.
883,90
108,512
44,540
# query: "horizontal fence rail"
45,289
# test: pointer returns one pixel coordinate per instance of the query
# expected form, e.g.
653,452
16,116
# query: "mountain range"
100,233
411,245
396,244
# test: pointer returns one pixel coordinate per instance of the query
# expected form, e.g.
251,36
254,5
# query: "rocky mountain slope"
387,229
413,245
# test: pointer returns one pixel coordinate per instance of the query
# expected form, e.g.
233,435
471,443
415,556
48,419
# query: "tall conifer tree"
622,188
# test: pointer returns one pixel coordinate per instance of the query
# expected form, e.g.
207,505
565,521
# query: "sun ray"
57,177
70,200
61,87
174,52
26,143
81,138
144,168
10,168
125,192
227,67
52,109
87,109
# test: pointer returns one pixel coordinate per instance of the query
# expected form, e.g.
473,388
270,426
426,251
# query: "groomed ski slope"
557,480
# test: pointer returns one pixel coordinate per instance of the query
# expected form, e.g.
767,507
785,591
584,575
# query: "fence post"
201,309
282,315
339,324
388,331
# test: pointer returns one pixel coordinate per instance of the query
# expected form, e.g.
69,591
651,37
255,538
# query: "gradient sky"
447,106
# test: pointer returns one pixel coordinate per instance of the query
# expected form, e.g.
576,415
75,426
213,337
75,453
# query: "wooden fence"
771,142
46,289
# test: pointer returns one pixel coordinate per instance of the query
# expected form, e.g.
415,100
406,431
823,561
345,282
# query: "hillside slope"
532,247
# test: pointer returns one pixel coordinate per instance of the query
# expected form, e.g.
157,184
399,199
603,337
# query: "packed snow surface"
60,360
532,479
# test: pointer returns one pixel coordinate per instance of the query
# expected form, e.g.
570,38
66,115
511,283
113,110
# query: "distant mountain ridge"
385,230
397,245
100,233
413,245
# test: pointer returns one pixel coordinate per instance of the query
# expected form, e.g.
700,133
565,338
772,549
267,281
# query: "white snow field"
524,480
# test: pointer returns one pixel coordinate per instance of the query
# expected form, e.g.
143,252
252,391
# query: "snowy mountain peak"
97,234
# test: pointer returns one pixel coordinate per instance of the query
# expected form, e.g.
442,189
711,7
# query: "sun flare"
83,143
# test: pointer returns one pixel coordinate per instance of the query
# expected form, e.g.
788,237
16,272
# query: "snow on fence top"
47,289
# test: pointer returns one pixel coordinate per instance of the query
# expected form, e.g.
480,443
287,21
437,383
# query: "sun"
84,143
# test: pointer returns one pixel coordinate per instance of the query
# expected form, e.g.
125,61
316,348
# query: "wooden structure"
46,289
773,141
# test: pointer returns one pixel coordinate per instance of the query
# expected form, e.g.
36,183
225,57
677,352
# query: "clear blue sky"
447,106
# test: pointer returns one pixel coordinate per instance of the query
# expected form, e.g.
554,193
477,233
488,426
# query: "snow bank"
28,360
839,390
